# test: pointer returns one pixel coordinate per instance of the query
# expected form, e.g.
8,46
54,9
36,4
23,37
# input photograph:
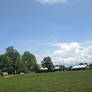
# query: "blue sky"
35,26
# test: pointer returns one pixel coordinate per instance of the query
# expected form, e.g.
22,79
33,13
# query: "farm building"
79,67
43,69
57,69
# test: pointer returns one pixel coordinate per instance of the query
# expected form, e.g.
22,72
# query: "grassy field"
76,81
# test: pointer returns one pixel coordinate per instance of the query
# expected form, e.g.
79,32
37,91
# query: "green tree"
81,63
30,61
22,67
47,63
90,66
5,64
14,58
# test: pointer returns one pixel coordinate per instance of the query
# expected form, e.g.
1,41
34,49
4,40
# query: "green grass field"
76,81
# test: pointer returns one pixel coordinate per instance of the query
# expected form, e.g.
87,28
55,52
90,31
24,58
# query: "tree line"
13,62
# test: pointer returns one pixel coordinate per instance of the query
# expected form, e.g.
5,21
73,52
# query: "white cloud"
56,1
70,53
52,1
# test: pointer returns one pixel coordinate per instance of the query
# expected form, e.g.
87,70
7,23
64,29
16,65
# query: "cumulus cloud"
52,1
70,53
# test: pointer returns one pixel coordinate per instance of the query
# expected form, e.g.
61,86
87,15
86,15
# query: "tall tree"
22,67
30,61
81,63
5,64
47,63
14,58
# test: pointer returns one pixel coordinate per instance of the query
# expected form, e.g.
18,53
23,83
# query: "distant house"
80,67
57,69
43,69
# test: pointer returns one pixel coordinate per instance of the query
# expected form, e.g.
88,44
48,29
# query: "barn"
58,69
80,67
43,69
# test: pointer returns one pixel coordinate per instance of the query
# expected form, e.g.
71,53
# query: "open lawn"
76,81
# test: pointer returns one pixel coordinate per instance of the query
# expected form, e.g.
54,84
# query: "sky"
61,29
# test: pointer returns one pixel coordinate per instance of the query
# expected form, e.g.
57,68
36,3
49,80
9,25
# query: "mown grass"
76,81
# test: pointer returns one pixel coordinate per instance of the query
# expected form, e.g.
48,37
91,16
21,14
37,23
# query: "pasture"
74,81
